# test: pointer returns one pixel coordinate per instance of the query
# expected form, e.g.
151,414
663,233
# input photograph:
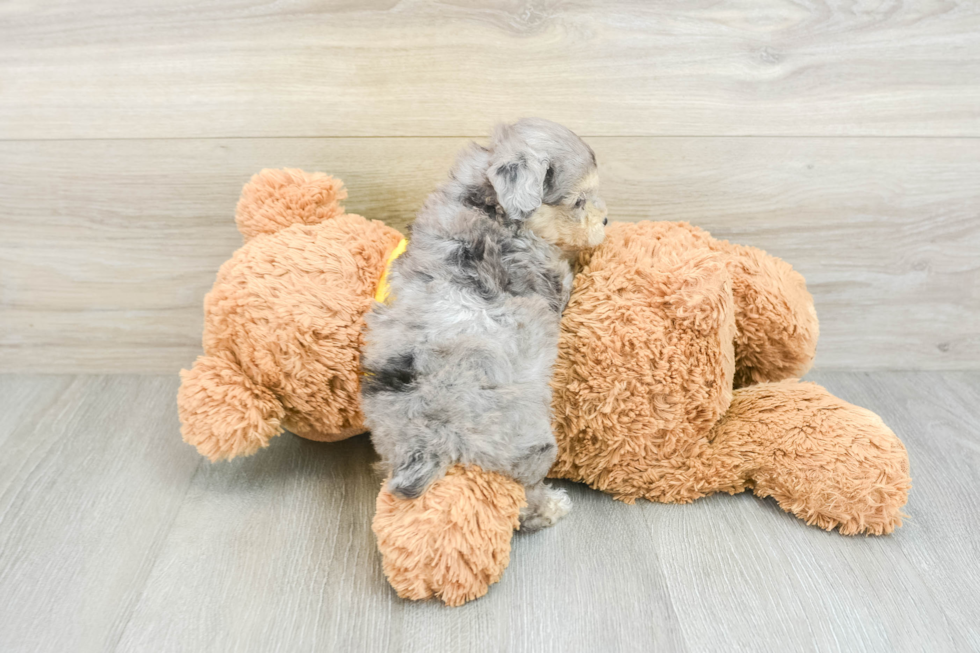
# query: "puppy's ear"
518,174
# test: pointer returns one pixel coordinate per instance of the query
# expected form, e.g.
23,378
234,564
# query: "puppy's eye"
580,203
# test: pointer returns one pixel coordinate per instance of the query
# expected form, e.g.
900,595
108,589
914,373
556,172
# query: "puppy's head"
546,176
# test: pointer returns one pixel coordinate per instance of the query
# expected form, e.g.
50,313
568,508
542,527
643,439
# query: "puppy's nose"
605,221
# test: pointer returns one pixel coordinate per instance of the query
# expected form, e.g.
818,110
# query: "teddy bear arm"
632,421
777,327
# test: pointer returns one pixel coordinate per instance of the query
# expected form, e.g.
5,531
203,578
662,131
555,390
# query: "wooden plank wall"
841,136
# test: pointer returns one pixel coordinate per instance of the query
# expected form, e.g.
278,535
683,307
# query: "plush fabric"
830,463
675,379
453,542
777,323
646,361
276,199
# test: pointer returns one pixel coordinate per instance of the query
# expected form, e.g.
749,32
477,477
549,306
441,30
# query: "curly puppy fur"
457,365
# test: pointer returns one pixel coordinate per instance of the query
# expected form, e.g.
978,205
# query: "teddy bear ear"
223,412
275,199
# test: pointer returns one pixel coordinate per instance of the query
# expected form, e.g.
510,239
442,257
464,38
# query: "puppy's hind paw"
545,506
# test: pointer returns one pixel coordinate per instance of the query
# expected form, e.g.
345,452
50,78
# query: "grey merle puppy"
457,365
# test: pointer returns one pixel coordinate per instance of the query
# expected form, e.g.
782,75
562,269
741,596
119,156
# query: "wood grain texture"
88,490
109,541
386,68
110,246
936,416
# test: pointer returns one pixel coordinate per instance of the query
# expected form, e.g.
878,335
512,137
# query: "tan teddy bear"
663,325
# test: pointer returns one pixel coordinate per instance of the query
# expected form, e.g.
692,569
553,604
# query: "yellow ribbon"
384,290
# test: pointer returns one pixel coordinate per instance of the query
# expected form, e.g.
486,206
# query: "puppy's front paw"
545,506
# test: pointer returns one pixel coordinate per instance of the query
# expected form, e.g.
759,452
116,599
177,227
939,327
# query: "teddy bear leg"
828,462
774,313
452,542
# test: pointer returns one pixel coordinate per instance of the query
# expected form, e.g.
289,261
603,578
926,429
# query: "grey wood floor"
116,536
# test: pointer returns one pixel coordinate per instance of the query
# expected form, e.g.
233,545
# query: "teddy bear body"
652,344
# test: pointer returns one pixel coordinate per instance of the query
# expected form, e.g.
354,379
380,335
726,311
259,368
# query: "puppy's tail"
412,476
